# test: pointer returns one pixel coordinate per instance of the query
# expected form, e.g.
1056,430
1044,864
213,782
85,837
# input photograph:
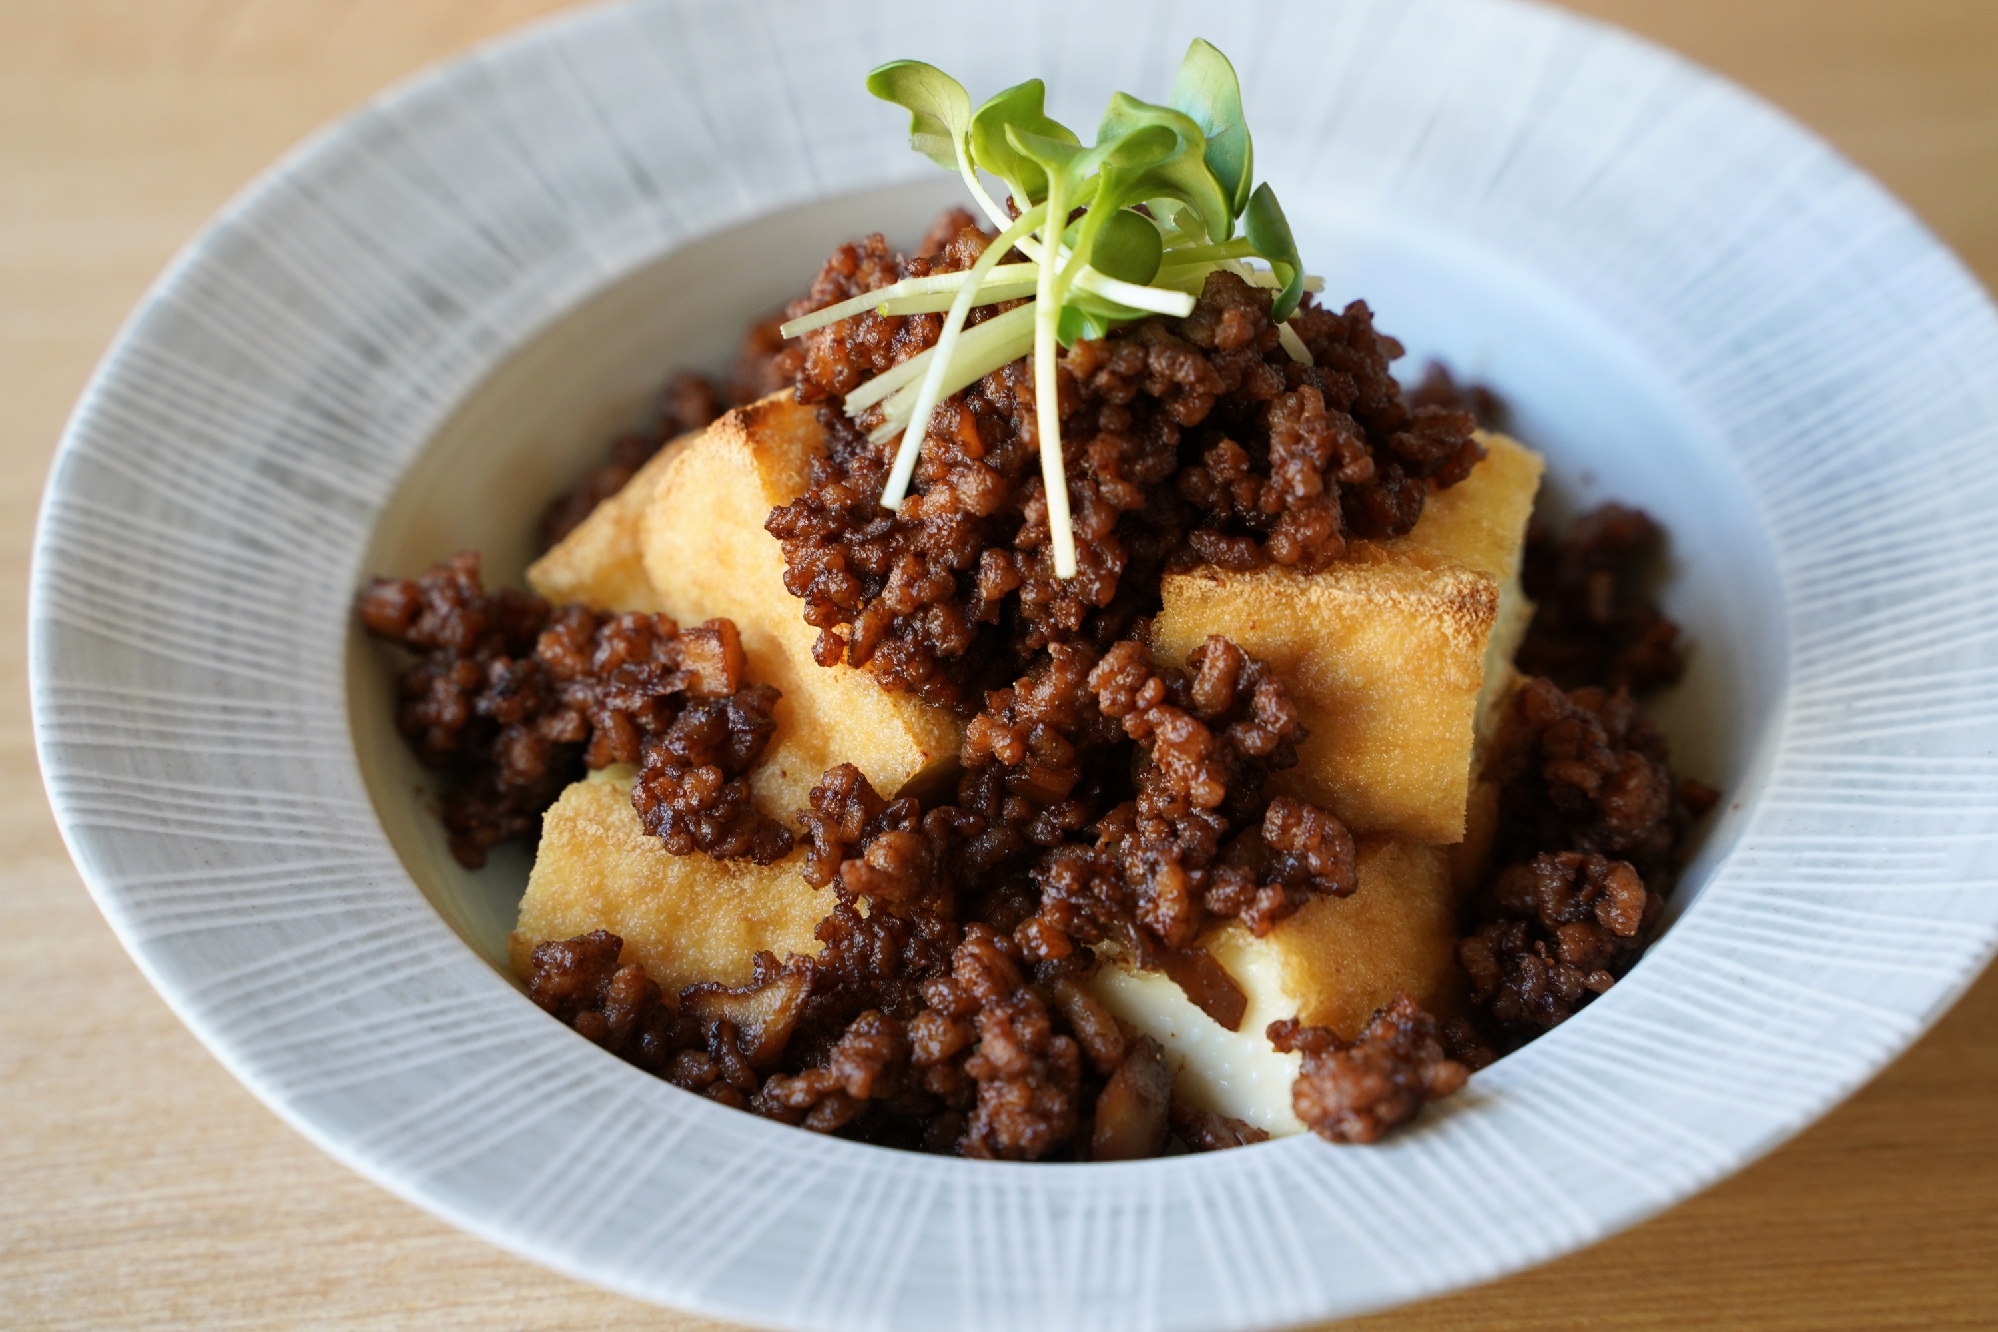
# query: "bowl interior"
1606,420
430,319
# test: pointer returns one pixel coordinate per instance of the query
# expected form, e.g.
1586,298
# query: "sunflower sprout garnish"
1162,190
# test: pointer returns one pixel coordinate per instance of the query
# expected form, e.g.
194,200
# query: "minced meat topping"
1592,831
1187,441
1355,1091
513,702
1595,623
947,1008
1106,802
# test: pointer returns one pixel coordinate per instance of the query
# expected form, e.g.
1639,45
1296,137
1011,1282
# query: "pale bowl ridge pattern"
214,501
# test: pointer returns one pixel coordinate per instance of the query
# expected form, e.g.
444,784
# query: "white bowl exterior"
211,505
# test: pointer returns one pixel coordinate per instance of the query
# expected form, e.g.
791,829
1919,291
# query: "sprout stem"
947,343
1293,344
888,382
970,365
1047,402
1239,248
1153,299
993,211
1085,243
941,285
991,293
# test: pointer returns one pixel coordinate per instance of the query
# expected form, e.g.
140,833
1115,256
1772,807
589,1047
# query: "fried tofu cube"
1330,965
602,562
1386,654
685,536
686,918
1383,656
1471,858
707,555
1480,523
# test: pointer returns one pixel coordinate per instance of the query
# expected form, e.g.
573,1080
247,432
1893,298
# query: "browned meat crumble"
1596,623
513,702
947,1010
1187,441
1583,770
476,704
1105,802
1355,1091
1057,846
1439,388
1566,924
1592,829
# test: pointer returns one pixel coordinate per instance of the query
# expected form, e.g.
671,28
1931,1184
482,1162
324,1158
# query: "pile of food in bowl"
1065,700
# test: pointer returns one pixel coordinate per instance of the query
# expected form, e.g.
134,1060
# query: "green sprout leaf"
1127,246
939,108
1063,158
1159,196
1086,315
1102,175
1269,232
1021,108
1208,92
1181,174
1079,323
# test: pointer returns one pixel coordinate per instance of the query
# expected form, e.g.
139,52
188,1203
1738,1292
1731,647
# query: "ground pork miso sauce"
1106,801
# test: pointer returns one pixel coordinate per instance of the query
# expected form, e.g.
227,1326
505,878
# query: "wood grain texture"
147,1189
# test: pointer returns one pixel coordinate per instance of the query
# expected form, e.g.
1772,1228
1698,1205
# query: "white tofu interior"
1233,1073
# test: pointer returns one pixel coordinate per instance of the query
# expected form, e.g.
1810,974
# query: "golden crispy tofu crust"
1384,658
707,554
686,918
1343,957
1480,523
1332,964
1396,657
601,563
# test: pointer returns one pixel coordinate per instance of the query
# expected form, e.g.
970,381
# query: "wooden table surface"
144,1188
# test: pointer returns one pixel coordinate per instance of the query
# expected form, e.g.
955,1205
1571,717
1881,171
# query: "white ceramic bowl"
428,318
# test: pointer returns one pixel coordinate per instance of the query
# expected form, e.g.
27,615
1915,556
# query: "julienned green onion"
1293,345
943,286
989,293
1162,190
1008,342
908,372
931,390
